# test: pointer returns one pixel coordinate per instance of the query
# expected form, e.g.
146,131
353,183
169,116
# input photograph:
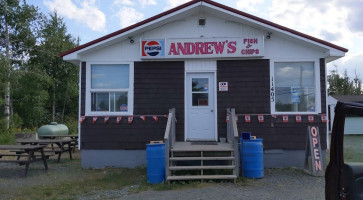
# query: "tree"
63,75
18,33
342,85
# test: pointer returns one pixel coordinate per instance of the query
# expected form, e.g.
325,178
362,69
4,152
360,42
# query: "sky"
336,21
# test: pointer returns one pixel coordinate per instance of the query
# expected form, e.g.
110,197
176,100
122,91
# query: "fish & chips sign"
202,48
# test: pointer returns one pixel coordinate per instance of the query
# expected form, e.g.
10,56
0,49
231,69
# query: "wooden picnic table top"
62,136
18,146
43,141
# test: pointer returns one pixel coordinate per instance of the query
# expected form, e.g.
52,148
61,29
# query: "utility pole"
7,86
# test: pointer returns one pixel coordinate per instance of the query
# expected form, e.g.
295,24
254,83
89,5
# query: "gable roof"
218,5
349,98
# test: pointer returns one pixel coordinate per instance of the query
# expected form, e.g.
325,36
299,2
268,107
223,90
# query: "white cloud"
87,13
174,3
147,3
129,16
123,2
248,5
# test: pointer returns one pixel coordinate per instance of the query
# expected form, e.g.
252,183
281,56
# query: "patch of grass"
353,148
179,185
87,182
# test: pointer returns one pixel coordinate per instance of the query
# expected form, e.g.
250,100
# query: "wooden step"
199,177
200,158
201,167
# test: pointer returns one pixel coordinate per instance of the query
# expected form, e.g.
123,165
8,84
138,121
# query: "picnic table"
58,146
28,152
74,143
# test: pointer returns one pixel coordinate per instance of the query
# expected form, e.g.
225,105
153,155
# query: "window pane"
295,87
100,101
200,84
119,102
109,76
200,99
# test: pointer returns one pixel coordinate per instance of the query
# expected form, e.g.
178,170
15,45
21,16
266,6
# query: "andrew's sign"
202,48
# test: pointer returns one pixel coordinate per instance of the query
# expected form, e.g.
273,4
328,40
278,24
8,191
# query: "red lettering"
181,48
208,48
173,50
190,48
314,131
219,47
317,165
316,154
199,48
315,142
255,41
231,47
245,41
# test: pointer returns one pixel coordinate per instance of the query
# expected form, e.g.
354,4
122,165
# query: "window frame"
272,89
130,91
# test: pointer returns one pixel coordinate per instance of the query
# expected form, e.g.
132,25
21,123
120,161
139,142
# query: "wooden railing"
169,138
232,135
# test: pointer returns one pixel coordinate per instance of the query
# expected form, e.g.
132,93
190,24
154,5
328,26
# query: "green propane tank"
53,129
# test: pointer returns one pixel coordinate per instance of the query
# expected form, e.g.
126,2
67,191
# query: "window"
295,87
110,89
200,91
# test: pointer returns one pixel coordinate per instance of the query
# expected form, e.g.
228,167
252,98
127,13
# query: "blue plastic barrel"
251,153
155,157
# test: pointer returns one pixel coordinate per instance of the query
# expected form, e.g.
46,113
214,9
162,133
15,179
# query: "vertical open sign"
313,149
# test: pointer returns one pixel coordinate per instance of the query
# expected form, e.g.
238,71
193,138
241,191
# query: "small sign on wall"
223,86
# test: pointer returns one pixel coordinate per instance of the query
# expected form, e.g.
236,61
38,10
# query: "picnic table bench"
28,152
57,146
74,143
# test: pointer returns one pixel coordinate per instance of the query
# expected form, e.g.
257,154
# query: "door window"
200,91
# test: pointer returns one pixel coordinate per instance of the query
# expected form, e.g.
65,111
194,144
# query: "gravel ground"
284,184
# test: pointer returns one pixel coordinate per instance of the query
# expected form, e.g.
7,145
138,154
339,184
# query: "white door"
200,107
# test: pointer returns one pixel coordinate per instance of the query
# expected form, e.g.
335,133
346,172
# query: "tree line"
343,84
37,85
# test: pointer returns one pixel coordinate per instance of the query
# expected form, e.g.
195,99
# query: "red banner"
94,119
156,118
143,118
247,118
285,118
82,119
129,119
298,118
311,118
106,119
323,118
260,118
118,119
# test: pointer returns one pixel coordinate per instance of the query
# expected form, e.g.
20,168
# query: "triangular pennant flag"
298,118
82,119
247,118
285,118
227,119
156,118
323,118
260,118
274,116
118,119
166,116
105,119
311,118
143,117
129,119
94,119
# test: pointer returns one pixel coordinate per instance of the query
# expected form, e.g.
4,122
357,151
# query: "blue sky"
336,21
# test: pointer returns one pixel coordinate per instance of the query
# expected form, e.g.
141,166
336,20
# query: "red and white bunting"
143,117
156,118
298,118
118,119
247,118
260,118
323,118
106,119
227,119
166,116
82,119
94,119
129,119
285,118
311,118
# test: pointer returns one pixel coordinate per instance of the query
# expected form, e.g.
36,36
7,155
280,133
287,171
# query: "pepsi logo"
152,48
